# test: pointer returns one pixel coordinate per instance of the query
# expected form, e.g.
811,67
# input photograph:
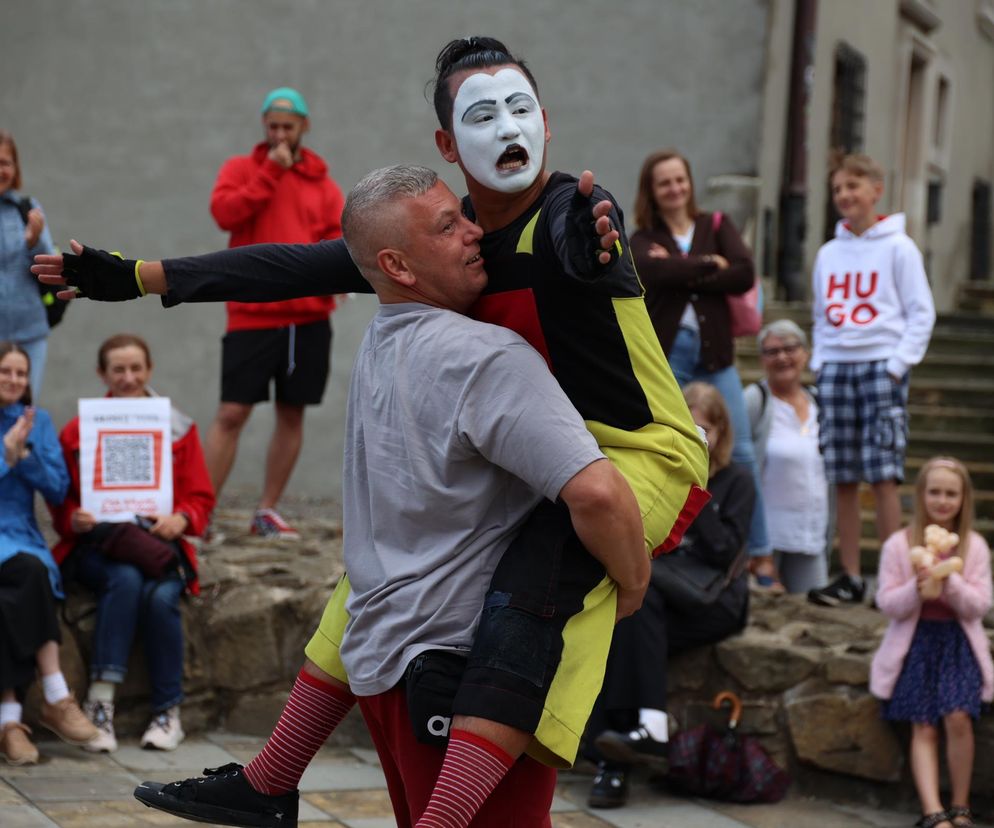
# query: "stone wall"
802,673
800,670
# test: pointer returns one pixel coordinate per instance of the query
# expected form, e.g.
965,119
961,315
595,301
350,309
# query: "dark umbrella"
704,762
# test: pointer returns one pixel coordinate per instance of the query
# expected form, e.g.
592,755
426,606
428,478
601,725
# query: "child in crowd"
873,318
934,663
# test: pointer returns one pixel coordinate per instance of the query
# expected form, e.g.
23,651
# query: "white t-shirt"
689,318
455,431
795,491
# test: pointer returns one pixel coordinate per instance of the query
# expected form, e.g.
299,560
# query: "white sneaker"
102,715
164,732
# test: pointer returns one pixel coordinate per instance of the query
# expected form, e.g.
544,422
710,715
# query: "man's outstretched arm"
608,521
255,273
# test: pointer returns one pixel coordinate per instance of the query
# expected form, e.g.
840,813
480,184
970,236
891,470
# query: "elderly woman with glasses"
783,413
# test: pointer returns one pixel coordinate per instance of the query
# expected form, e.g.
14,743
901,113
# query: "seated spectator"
30,583
128,599
629,724
783,413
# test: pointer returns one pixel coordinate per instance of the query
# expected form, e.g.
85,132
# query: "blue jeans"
37,351
127,602
685,358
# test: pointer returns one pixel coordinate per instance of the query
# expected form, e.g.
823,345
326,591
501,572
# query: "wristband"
138,278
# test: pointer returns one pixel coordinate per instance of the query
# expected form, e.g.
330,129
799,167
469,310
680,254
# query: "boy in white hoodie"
873,317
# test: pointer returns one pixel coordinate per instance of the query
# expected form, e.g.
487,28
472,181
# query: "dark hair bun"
457,51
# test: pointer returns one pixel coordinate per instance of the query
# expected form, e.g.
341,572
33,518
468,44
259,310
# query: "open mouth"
512,159
473,260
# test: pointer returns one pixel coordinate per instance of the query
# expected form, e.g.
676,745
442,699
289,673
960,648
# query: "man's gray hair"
783,329
367,225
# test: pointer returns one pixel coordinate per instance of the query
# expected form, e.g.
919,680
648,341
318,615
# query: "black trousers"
28,619
641,647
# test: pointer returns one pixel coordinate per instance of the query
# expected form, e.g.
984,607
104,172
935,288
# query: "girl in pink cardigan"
934,663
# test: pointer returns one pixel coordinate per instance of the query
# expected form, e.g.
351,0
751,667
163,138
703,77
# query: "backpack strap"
24,207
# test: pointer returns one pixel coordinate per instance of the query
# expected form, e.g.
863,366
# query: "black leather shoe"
634,748
610,788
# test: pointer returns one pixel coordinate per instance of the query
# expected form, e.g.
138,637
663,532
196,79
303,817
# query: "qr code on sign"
127,460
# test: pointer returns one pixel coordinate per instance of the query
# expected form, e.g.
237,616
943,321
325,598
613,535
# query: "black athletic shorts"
297,358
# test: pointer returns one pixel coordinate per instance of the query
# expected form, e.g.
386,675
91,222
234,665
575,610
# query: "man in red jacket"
281,192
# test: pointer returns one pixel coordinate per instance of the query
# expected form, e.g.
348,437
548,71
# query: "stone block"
849,669
255,713
843,732
690,670
762,661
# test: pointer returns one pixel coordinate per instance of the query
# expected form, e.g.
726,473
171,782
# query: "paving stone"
41,789
578,819
191,754
8,796
309,813
348,806
322,775
22,815
111,814
58,758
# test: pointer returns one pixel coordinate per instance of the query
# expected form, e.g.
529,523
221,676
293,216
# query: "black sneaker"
610,788
222,796
634,748
843,589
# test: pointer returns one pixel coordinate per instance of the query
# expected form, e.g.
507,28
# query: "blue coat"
43,470
22,314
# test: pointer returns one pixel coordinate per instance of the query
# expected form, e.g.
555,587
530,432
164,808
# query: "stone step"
953,420
983,500
955,444
976,296
981,472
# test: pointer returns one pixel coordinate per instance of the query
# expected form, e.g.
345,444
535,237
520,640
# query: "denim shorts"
862,422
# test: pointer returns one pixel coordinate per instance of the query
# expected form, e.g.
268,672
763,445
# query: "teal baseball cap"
286,99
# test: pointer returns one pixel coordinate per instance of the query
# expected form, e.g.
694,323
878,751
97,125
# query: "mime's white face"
499,130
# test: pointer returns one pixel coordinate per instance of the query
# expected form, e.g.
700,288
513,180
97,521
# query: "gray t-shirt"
455,431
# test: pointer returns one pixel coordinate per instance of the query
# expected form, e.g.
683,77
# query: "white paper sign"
125,457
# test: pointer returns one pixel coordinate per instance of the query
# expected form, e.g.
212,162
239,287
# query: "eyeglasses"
789,350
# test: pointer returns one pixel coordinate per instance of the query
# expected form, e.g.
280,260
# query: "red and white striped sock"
312,712
472,768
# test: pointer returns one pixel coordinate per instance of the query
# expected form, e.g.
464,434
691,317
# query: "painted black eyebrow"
485,102
514,95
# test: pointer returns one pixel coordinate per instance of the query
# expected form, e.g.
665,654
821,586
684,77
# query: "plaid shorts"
862,422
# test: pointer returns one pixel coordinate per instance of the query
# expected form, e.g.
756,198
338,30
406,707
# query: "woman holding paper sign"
30,583
138,571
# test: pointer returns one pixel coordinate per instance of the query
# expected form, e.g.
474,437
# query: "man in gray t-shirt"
456,430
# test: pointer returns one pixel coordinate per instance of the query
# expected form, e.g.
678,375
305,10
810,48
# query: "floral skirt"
940,675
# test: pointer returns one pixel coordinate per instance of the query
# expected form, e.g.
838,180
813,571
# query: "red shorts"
521,800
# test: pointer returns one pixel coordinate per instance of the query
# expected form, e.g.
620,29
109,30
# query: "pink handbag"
744,309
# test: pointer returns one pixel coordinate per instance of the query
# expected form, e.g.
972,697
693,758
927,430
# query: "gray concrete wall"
125,110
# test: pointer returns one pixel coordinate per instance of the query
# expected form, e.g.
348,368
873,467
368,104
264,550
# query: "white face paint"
499,130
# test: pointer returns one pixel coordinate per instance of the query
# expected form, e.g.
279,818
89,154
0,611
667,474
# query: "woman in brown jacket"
689,261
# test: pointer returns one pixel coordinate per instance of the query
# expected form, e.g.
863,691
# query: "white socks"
54,687
101,691
656,723
9,712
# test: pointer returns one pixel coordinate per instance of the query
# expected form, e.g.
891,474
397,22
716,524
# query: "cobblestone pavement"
344,788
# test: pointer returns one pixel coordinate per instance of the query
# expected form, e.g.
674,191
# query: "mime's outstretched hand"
592,239
95,274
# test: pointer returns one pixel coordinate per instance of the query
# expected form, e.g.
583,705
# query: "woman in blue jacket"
22,234
30,461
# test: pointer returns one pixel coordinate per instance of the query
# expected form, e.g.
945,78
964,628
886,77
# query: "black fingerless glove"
583,242
103,276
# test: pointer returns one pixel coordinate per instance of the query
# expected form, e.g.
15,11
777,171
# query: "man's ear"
545,121
393,264
446,144
306,126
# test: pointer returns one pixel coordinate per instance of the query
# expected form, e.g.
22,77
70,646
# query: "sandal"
960,812
933,820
